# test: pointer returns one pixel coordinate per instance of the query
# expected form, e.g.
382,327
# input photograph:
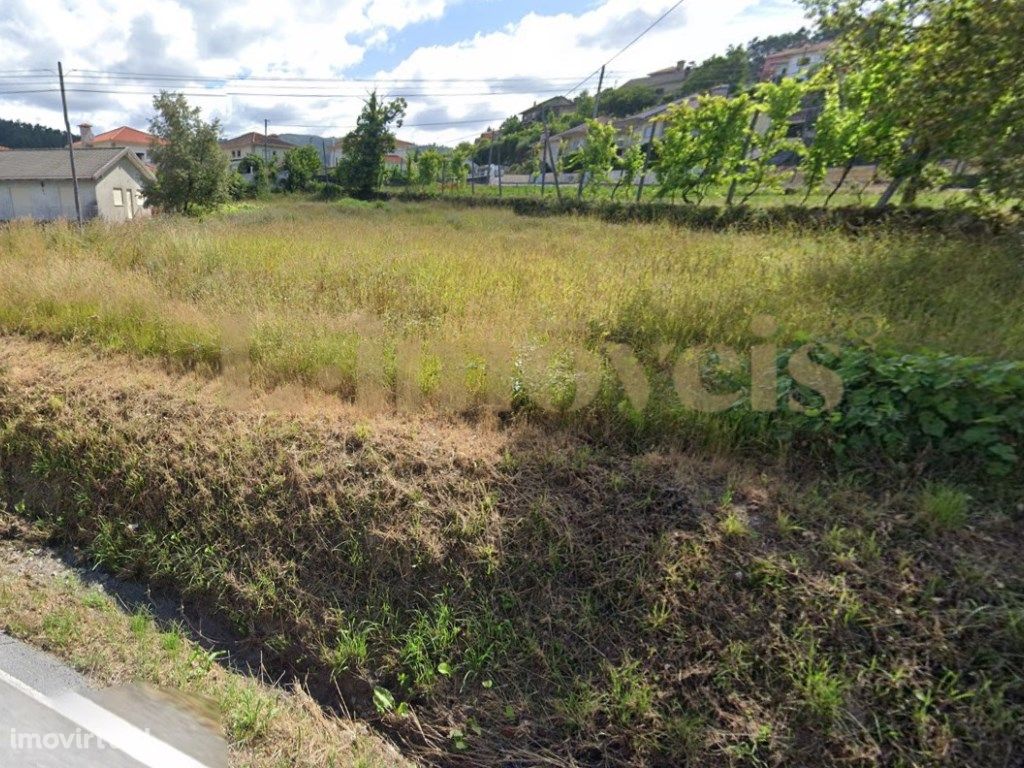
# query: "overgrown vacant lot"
298,282
492,590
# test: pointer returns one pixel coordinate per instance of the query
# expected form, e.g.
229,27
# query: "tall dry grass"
308,292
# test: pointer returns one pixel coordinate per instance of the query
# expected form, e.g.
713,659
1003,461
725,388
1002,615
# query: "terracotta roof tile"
125,135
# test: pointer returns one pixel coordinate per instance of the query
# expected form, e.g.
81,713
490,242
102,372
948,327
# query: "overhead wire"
625,48
79,78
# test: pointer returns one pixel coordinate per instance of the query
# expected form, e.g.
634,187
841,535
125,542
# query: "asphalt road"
49,716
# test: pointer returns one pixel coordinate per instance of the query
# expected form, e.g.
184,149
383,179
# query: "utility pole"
71,144
323,148
266,123
597,100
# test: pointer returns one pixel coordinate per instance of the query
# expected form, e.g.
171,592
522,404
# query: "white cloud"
546,52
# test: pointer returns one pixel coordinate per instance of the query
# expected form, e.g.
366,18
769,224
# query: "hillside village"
526,149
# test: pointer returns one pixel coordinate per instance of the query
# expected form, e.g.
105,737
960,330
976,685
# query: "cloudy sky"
306,66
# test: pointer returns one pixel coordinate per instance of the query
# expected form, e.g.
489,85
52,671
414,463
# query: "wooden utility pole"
266,123
597,101
71,143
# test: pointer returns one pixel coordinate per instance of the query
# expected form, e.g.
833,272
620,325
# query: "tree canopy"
361,168
945,81
302,164
192,173
16,134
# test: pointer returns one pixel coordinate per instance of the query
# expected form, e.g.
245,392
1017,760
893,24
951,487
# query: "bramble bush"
939,410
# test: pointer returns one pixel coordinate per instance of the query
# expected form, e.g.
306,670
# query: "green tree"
597,157
627,100
361,168
703,146
263,172
844,130
15,134
632,166
732,69
457,162
302,165
947,76
428,167
192,173
773,104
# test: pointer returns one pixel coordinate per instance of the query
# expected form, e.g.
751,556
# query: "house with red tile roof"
139,142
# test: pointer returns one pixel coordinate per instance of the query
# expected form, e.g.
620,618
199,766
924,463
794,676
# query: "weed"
249,713
943,508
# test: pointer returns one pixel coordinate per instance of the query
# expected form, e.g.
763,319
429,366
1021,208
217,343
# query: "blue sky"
452,58
461,21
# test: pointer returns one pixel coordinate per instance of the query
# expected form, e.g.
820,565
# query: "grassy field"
292,287
492,589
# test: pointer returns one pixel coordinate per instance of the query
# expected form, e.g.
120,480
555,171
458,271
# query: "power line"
131,89
296,79
628,45
437,123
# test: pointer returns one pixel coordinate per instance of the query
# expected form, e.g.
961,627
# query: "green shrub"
330,191
850,219
943,410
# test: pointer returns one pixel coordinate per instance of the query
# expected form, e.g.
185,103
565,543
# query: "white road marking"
108,727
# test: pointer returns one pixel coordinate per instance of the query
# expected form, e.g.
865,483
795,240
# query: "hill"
18,135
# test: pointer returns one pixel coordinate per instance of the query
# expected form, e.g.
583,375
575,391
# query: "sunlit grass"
293,286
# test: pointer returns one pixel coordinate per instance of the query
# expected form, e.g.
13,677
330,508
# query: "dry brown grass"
536,595
46,603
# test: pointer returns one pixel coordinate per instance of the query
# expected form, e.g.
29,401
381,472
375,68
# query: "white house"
664,81
268,148
37,184
139,142
794,62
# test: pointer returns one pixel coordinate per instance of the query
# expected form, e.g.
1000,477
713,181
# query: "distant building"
665,81
646,126
270,148
139,142
4,149
403,148
794,62
37,184
555,107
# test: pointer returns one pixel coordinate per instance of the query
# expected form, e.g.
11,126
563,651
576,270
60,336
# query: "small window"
118,197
